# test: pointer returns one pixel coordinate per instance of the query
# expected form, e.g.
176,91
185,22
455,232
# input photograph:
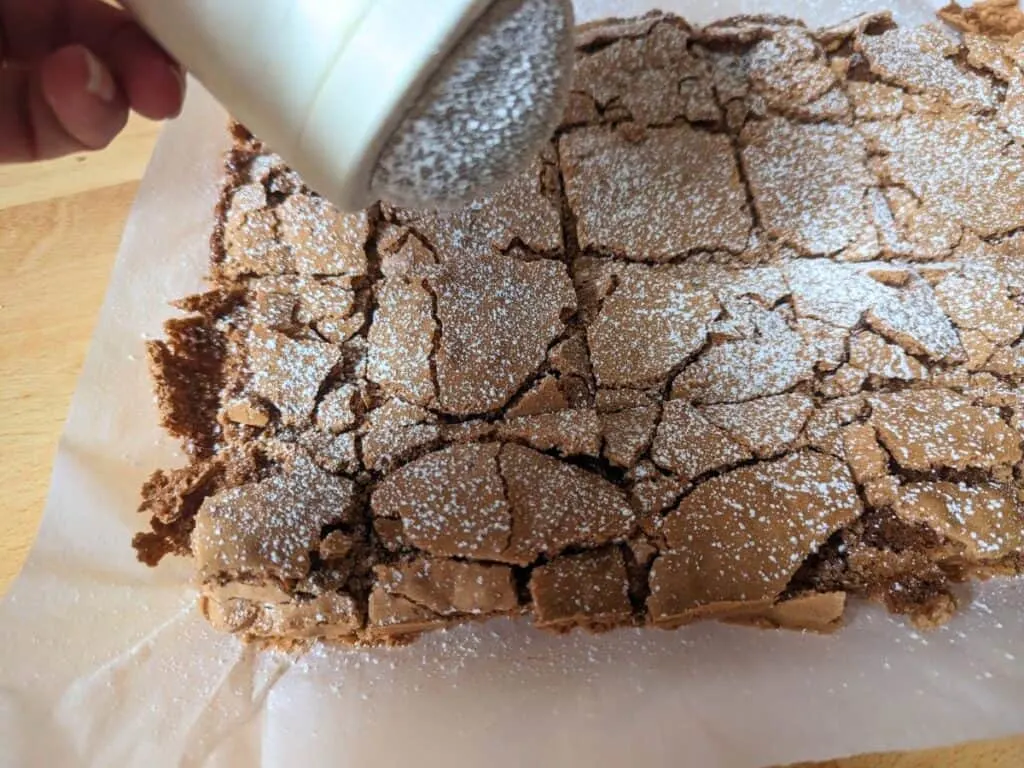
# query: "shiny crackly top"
744,340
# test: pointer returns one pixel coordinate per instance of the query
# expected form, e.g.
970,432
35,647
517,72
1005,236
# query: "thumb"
66,102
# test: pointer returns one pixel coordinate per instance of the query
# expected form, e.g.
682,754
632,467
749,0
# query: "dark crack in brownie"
745,340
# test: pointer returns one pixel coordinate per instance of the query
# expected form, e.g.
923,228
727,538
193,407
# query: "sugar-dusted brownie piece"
744,341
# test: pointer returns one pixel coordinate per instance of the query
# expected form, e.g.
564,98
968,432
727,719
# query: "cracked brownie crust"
744,340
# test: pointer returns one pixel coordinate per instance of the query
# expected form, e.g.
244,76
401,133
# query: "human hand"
70,71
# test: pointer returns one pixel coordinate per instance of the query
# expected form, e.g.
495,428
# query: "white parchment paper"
104,662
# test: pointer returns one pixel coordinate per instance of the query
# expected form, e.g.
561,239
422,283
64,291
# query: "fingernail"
100,83
179,75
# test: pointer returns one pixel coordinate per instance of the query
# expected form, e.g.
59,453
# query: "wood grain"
60,225
55,256
1007,753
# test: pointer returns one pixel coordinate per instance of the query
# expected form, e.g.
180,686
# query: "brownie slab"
746,340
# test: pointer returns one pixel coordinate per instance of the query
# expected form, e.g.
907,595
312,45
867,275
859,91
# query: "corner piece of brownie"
745,340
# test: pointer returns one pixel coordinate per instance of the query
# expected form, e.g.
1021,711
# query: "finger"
68,103
36,28
153,83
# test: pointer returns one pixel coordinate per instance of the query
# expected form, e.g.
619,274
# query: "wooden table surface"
60,224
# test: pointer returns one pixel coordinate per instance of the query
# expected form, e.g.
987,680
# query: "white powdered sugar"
493,102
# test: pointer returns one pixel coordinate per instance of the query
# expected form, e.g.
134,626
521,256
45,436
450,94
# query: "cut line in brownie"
743,342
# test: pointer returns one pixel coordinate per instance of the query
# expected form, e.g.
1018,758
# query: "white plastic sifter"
424,103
